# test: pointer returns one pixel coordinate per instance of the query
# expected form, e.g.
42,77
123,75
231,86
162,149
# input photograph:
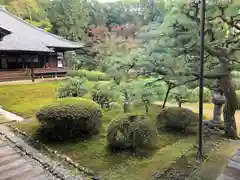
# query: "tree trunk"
166,97
126,106
146,108
230,104
179,104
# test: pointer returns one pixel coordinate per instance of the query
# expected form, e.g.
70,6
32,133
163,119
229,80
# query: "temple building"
28,52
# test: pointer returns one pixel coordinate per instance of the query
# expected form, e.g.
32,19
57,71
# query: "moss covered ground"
92,153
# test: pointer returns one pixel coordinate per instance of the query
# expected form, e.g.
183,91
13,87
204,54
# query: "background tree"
173,48
69,18
31,11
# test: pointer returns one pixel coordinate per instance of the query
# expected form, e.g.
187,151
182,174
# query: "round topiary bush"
132,131
73,87
177,119
69,118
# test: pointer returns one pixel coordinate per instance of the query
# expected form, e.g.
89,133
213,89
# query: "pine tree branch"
231,22
194,17
186,82
152,82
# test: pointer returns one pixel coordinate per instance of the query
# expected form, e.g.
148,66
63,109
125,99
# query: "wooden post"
44,59
32,70
63,60
22,60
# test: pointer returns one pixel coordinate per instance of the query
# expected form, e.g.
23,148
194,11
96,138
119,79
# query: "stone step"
35,172
2,144
14,173
234,164
224,177
232,172
41,177
29,175
8,159
12,165
6,151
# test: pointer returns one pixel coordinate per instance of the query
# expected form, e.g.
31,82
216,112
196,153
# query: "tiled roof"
26,37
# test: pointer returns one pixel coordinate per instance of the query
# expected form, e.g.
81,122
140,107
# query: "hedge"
69,118
177,119
90,75
132,131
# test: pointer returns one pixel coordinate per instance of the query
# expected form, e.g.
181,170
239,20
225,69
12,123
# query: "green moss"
69,118
90,75
93,153
30,127
2,119
216,161
177,119
26,99
132,131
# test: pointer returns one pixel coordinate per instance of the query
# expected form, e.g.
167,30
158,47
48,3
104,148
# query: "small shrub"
69,118
104,95
90,75
177,119
74,87
102,99
132,131
96,76
180,94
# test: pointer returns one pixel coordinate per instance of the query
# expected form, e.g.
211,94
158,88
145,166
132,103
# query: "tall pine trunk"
230,104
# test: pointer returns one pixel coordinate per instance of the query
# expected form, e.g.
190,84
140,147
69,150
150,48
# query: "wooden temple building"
28,52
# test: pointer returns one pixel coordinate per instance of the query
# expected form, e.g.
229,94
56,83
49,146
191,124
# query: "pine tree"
69,18
173,48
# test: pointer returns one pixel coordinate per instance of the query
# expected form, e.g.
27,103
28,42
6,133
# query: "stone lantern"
218,100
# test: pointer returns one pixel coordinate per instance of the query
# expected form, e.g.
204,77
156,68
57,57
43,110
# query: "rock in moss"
69,118
132,131
177,119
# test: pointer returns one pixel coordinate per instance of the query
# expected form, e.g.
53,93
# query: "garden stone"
236,158
218,100
212,125
95,178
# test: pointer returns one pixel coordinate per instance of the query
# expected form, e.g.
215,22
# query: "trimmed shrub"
103,94
74,87
90,75
70,118
75,73
177,119
132,131
96,76
180,94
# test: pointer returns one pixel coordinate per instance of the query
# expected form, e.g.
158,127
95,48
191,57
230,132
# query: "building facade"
25,48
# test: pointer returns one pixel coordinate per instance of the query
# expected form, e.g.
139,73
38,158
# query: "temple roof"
24,36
